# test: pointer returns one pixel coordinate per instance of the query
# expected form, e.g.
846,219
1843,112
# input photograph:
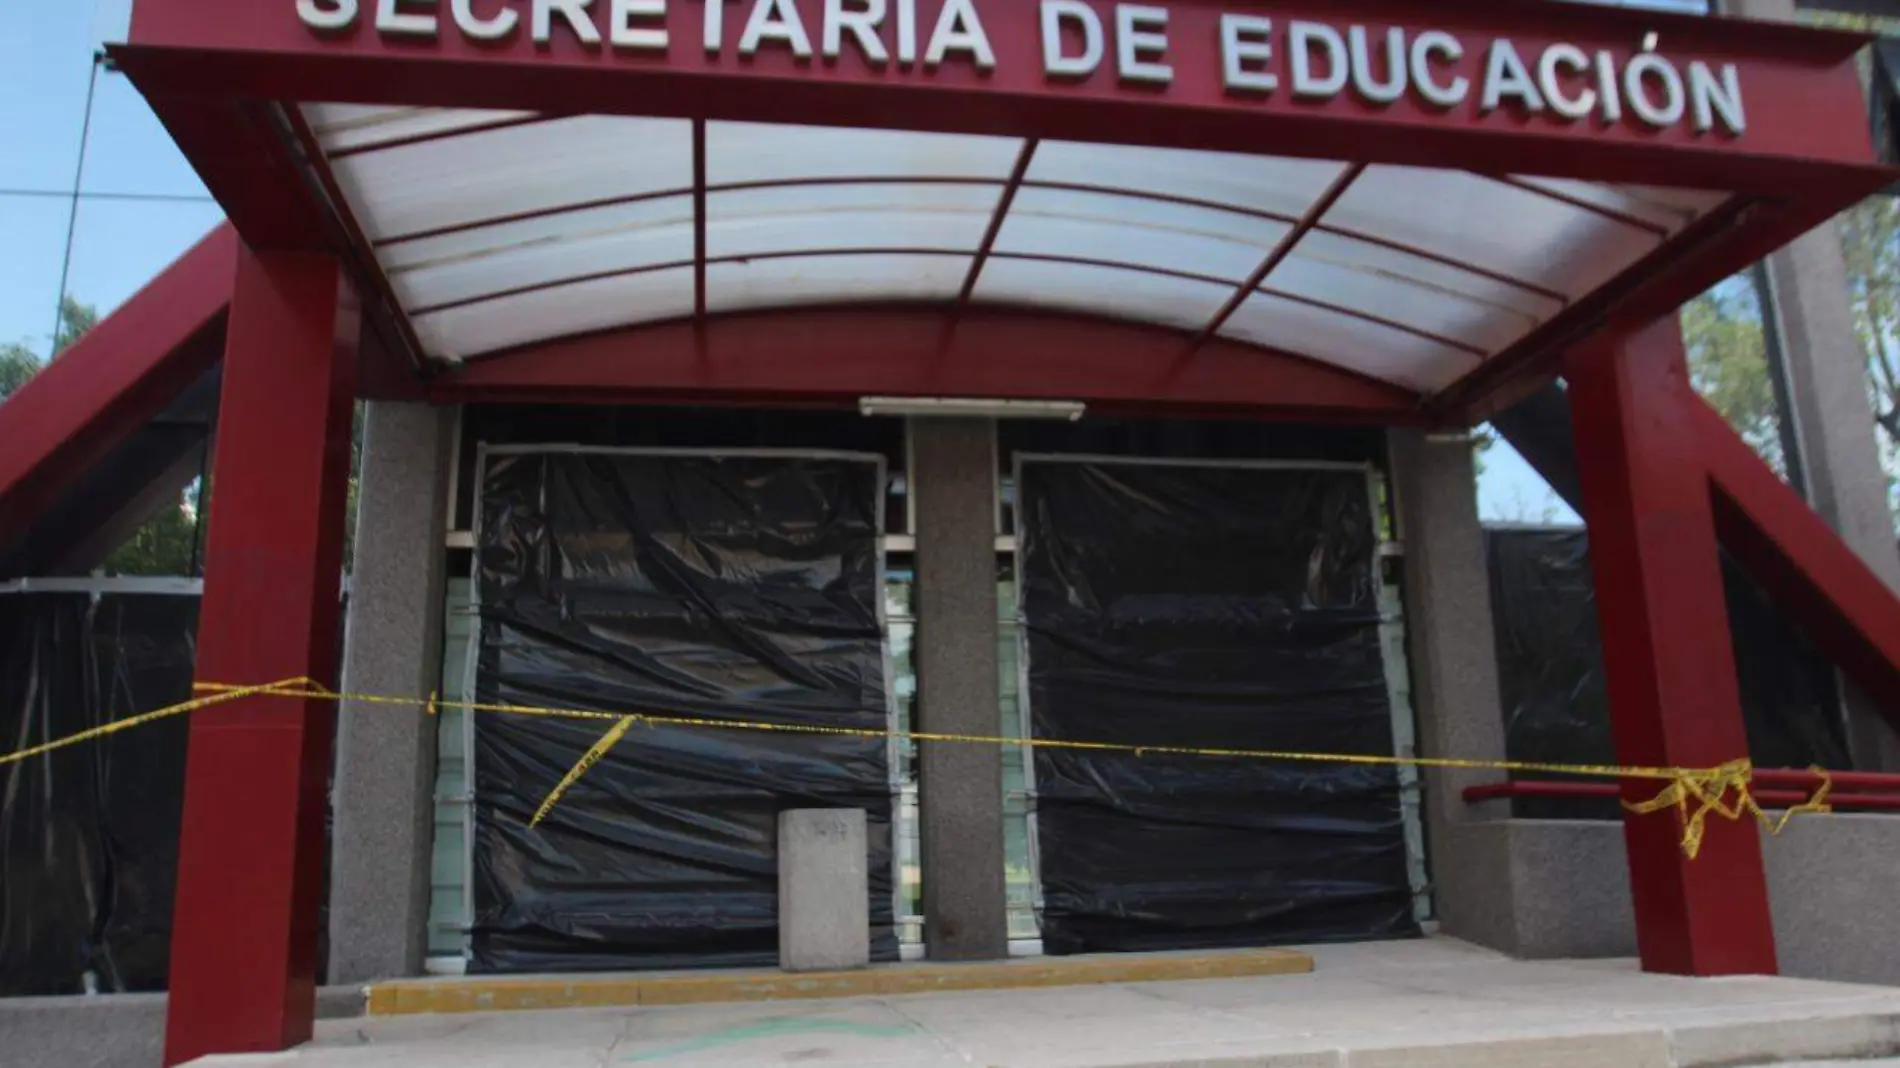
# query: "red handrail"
1840,797
1808,779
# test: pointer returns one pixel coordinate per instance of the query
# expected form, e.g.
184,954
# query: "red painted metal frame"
1667,656
1583,204
1276,256
981,257
368,270
1809,779
219,46
836,355
1806,154
123,372
1803,565
1004,200
1077,187
699,221
250,863
216,72
405,141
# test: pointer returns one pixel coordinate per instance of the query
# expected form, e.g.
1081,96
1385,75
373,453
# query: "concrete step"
1423,1004
503,993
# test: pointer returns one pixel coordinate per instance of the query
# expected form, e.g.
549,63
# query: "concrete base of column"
959,787
1564,893
824,910
380,858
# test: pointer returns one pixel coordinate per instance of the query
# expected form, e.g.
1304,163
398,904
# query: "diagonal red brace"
121,374
1802,563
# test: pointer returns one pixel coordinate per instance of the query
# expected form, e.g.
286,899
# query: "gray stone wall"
383,792
111,1031
1830,885
1454,679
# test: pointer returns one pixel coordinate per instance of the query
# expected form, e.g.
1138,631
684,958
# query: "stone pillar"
385,769
959,787
1825,371
1454,680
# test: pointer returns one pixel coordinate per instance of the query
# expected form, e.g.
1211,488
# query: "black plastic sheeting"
89,834
1222,607
742,588
1550,669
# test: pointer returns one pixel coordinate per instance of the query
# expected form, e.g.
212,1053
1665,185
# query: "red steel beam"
1667,655
1805,148
115,379
1655,230
1277,255
250,860
367,268
1803,92
1145,195
699,220
998,217
1801,562
837,354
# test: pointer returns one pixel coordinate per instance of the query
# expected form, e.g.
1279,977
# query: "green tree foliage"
164,545
1728,363
17,364
1870,244
18,361
75,319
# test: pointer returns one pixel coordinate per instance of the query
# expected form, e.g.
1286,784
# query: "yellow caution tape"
1710,791
582,767
221,695
1694,793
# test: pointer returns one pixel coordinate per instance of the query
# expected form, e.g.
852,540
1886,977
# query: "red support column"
244,933
1674,699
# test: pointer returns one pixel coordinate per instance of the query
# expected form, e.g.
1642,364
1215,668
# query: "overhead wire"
72,216
67,194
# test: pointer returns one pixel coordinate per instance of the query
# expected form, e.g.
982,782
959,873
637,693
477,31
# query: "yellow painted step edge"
401,998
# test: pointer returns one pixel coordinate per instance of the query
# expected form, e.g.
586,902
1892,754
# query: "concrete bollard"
824,909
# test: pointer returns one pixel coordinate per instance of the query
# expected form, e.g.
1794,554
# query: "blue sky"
46,49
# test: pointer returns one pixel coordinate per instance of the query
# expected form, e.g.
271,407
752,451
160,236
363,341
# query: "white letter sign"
774,20
1301,37
1324,65
622,32
1714,98
1504,75
573,12
1142,31
862,23
958,27
322,15
1440,45
1057,63
1245,46
476,28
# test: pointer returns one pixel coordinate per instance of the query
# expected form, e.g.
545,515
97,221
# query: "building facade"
978,374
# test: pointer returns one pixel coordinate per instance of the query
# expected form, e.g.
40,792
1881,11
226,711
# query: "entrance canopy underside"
503,229
1438,217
